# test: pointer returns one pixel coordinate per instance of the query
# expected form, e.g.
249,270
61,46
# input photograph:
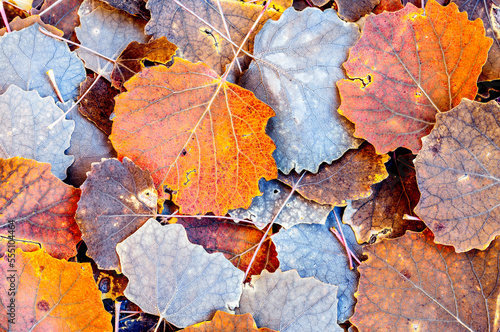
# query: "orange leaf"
224,322
236,241
41,206
207,147
51,295
413,284
388,6
407,67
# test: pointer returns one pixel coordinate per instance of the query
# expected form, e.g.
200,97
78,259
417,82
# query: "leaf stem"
4,17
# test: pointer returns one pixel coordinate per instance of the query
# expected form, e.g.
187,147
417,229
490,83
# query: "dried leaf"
18,24
184,284
388,5
41,206
403,72
413,284
196,40
382,214
349,177
111,284
458,176
236,241
204,145
352,11
314,251
28,54
224,322
107,32
51,295
130,61
285,302
133,7
63,16
291,74
296,211
116,200
24,129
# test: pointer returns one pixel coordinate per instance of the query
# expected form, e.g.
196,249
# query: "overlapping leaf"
107,32
224,322
351,11
458,176
350,177
388,5
313,251
413,284
298,60
28,54
196,40
285,302
41,206
18,24
25,118
206,146
116,200
184,284
51,295
63,16
296,211
381,215
407,67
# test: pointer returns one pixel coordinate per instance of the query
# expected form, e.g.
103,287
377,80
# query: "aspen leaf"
388,5
206,147
63,16
224,322
352,11
407,67
18,24
51,295
40,205
458,175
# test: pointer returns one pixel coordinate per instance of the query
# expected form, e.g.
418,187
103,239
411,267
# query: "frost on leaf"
183,284
407,67
458,175
297,62
24,129
314,251
51,295
107,32
285,302
205,147
297,210
28,54
117,199
41,206
414,284
196,40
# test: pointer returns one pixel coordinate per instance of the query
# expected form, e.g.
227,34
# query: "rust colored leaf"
236,241
413,284
20,23
388,6
352,11
39,205
111,284
51,295
459,176
350,177
116,200
407,67
381,214
205,146
63,16
196,40
131,60
224,322
98,104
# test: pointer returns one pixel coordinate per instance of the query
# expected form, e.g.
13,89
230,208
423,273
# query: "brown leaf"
350,177
224,322
133,7
116,200
63,16
413,284
111,284
20,23
381,214
131,60
39,206
352,11
388,6
236,241
458,175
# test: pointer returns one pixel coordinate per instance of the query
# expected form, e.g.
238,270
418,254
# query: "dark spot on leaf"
405,273
276,191
43,305
184,152
440,227
104,285
435,149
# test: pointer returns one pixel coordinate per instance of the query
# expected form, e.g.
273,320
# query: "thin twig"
228,33
117,315
50,8
4,17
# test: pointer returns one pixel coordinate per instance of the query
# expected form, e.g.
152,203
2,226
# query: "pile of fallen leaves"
184,164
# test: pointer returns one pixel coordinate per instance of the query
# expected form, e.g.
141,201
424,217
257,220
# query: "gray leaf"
27,55
298,61
285,302
183,284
